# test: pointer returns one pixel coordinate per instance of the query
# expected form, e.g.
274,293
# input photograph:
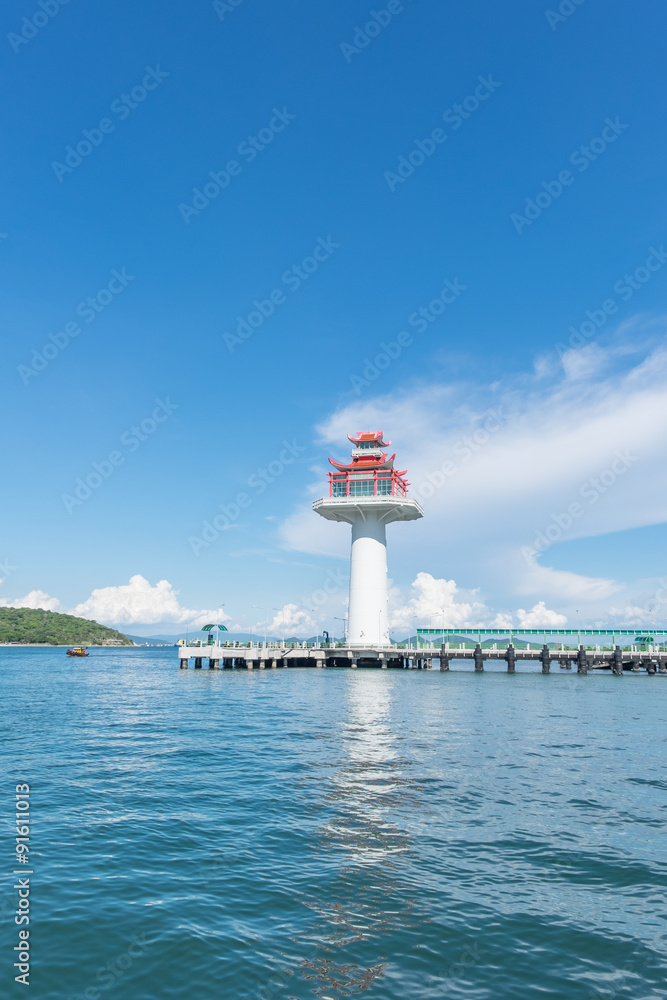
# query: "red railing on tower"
368,483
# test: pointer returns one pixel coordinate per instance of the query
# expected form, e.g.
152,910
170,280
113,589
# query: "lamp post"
344,620
439,611
220,607
317,628
267,614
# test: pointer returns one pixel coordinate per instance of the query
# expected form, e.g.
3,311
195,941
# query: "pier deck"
275,655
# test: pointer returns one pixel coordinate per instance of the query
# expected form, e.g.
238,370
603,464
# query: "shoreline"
63,645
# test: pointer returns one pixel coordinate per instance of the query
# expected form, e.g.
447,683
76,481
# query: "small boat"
78,651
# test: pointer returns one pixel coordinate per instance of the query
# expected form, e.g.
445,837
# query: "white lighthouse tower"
368,494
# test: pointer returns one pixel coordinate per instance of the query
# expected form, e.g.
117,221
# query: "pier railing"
487,647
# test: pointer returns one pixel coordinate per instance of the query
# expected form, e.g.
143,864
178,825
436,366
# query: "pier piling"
545,657
616,659
582,661
617,662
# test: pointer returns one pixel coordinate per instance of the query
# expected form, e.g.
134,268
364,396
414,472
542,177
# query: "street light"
267,615
341,620
439,611
317,628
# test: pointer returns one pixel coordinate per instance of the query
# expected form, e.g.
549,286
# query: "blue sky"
333,124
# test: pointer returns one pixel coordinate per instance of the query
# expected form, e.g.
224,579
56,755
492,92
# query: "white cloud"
35,599
540,617
558,584
502,620
428,600
292,620
138,603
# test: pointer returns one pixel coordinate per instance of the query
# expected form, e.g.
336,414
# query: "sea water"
327,833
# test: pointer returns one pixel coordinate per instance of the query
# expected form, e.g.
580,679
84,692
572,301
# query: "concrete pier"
275,656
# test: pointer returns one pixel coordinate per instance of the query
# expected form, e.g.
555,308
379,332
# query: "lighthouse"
368,493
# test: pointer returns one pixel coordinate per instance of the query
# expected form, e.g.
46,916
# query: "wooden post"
510,656
478,659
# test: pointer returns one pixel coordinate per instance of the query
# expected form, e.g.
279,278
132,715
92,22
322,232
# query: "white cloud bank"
133,603
434,599
138,603
35,599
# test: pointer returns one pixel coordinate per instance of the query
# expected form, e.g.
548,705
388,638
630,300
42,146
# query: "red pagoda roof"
365,459
374,436
365,462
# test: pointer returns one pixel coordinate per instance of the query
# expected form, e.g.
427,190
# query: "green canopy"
207,628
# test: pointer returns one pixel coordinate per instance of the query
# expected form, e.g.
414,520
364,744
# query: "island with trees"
33,626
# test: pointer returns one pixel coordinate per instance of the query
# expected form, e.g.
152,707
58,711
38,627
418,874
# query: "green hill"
31,625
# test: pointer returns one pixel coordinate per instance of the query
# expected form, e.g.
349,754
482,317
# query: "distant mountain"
150,640
33,625
224,637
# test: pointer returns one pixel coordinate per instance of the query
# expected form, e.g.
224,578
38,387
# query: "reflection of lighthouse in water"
368,494
368,900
